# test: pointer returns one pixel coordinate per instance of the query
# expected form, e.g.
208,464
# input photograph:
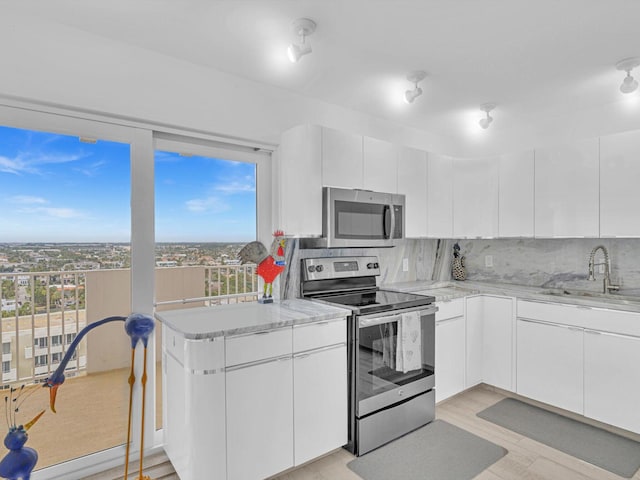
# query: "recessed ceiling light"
414,77
302,27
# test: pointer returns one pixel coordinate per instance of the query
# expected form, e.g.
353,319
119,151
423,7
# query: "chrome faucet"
607,285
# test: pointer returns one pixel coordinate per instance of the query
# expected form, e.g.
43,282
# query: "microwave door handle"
392,227
387,221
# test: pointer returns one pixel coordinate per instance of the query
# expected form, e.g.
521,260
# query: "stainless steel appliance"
359,218
391,349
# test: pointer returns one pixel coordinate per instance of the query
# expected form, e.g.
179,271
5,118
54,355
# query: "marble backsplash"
553,263
544,263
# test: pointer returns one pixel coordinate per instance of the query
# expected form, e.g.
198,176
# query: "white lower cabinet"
550,363
259,419
474,320
612,379
450,349
320,402
497,349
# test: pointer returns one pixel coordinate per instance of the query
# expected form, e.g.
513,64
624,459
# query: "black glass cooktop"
373,301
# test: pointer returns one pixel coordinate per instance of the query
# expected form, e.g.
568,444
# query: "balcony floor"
91,416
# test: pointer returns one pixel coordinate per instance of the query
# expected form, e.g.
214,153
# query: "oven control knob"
319,268
370,266
375,265
311,269
400,392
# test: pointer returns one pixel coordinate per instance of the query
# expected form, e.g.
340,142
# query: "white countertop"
444,291
235,319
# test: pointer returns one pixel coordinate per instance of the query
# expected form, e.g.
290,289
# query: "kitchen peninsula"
244,387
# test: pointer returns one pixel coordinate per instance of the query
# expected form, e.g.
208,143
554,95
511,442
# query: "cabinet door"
619,192
440,196
380,166
474,345
475,197
516,195
412,182
341,159
612,379
298,182
450,357
567,190
320,400
259,420
497,352
550,364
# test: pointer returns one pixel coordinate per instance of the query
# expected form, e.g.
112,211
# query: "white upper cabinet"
567,190
298,182
440,196
619,180
342,159
475,197
516,196
380,160
412,183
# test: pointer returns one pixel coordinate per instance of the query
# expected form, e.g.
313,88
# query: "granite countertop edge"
210,323
450,290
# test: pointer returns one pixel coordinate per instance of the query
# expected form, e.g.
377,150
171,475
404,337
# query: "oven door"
394,357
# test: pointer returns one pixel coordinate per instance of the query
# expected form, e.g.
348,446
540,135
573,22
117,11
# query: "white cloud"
208,205
29,163
235,187
28,200
61,212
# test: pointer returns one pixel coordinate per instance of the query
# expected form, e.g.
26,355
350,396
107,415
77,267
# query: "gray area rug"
604,449
437,451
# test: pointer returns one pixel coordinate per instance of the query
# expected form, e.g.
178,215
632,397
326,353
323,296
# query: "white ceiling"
534,58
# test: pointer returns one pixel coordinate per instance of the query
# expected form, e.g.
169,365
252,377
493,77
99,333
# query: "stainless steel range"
391,349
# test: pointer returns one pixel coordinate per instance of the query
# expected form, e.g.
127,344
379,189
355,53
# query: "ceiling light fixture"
414,77
302,27
486,121
629,84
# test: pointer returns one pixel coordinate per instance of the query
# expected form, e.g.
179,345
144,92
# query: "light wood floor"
527,459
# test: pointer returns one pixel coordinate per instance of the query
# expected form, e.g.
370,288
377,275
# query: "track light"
303,27
486,121
414,77
629,84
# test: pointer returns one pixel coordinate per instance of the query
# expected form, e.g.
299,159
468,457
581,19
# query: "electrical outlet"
405,264
488,260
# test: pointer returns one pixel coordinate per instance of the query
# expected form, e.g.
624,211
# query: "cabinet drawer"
450,309
257,346
173,344
320,334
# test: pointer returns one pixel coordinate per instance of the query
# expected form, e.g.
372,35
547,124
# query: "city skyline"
56,188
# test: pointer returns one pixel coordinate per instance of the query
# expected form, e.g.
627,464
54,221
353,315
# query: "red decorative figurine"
270,263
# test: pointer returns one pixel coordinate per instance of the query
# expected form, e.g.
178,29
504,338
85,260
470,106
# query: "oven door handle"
377,319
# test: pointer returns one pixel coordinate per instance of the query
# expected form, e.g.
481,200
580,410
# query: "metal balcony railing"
43,311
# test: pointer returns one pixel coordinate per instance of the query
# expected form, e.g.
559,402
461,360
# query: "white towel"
409,348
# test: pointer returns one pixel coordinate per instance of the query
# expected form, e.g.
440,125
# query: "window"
66,208
6,367
41,360
6,348
70,337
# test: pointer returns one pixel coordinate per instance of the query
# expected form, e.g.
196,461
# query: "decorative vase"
457,266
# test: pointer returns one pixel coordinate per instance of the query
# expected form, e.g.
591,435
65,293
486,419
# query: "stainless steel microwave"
360,218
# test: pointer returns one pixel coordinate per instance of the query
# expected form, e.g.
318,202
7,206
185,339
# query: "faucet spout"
607,286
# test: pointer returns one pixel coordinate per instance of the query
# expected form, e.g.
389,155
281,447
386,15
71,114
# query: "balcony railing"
42,312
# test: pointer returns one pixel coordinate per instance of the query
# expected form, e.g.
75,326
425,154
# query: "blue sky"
54,188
